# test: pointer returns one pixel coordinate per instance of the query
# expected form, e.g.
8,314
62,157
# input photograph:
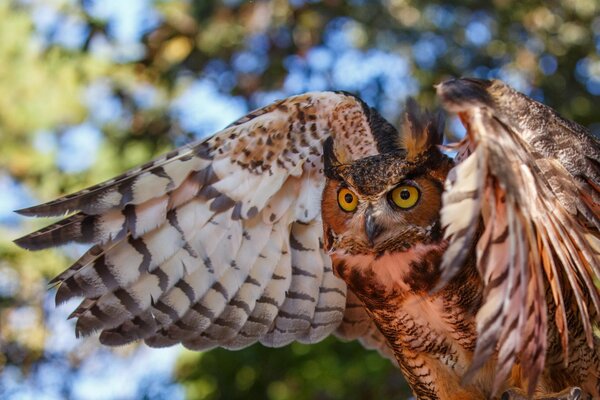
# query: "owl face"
384,203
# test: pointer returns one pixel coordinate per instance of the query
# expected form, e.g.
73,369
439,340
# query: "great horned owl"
314,216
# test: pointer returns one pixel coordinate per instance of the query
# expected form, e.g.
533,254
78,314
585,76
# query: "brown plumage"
314,216
537,193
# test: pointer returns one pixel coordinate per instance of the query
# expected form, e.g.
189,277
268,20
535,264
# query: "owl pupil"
404,194
348,198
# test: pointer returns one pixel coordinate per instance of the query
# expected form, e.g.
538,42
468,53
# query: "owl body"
390,255
433,336
390,258
475,274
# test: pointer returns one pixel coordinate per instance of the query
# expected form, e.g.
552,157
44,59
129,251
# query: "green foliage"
327,370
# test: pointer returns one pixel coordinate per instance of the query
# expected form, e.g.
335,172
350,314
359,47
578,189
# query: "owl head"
391,201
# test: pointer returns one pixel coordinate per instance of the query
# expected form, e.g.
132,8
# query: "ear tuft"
421,130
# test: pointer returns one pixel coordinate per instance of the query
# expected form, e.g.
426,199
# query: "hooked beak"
372,229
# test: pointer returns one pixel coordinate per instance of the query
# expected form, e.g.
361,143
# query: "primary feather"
217,243
532,179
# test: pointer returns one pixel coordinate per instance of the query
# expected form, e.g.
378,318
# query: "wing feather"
536,199
133,187
217,243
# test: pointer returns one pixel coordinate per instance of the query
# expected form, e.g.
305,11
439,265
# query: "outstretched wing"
529,184
218,243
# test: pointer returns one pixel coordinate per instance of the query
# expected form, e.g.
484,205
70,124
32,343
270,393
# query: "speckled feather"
218,243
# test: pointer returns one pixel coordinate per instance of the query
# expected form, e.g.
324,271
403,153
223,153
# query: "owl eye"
405,196
347,200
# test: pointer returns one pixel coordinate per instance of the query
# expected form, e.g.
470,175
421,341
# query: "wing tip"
32,211
57,208
36,241
28,243
460,93
114,339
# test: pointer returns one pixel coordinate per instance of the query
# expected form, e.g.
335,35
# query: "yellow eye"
405,196
347,200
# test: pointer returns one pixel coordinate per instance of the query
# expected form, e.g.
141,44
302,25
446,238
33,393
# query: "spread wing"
528,188
218,243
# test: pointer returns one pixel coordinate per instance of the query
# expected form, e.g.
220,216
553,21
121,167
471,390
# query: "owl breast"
433,333
390,275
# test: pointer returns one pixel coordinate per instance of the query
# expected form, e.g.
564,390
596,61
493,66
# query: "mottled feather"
217,243
532,182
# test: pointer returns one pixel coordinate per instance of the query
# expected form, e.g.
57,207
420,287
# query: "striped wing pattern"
530,189
217,243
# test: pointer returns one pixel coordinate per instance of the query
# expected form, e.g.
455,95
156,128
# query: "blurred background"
89,88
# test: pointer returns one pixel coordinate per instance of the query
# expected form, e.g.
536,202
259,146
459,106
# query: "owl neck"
379,278
388,281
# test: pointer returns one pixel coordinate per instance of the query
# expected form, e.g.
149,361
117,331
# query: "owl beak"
372,228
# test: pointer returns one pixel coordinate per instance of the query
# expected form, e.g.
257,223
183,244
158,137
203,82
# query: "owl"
314,216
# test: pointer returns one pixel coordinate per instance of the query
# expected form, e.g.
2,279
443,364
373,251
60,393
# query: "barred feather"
357,324
217,243
532,182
